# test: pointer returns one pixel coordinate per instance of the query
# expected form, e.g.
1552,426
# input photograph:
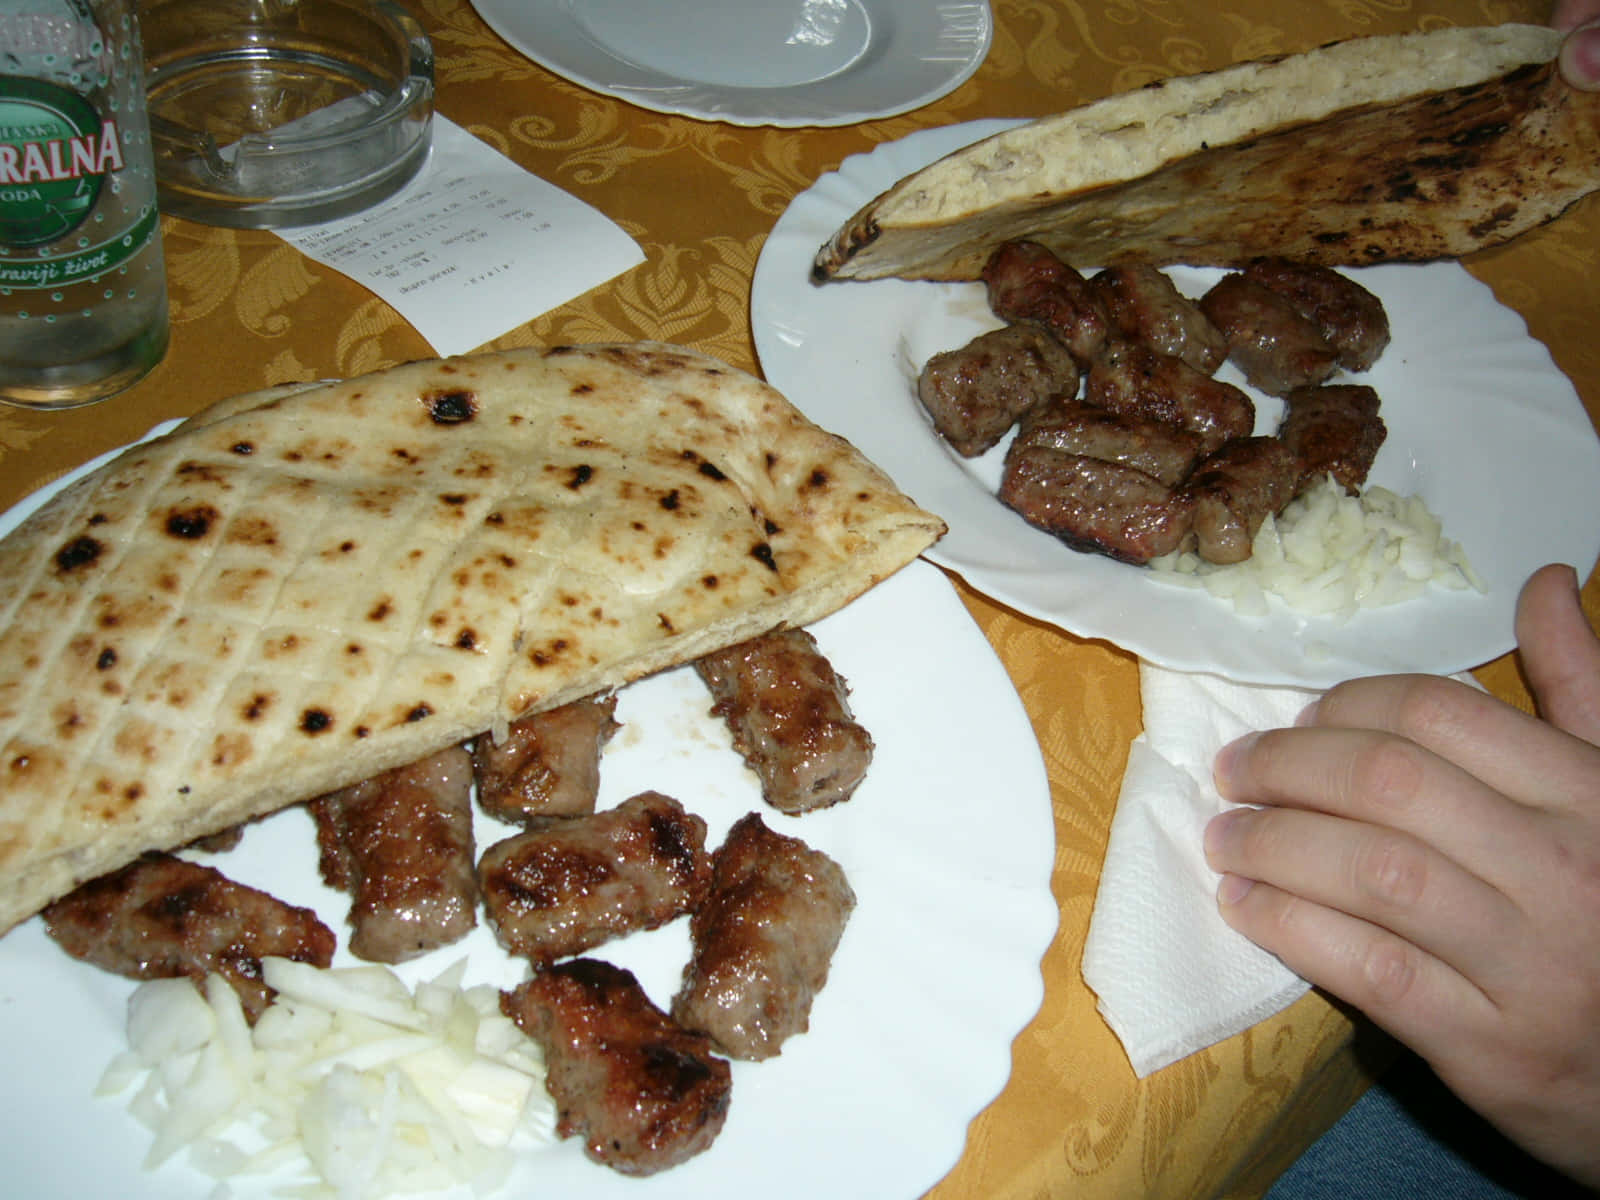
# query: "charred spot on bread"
451,408
191,524
544,656
107,659
79,552
315,720
581,474
762,553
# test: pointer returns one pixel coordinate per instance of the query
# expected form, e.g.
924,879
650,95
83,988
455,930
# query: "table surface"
248,311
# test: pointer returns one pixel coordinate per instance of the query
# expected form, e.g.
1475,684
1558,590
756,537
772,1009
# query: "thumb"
1579,60
1560,653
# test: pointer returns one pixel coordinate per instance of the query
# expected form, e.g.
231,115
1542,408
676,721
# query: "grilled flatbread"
302,587
1409,147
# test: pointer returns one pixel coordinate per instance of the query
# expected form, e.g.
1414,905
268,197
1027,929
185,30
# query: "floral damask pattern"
699,197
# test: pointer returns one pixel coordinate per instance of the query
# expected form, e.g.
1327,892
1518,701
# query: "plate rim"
805,107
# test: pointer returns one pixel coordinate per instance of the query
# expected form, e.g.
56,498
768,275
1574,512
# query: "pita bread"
1411,147
305,586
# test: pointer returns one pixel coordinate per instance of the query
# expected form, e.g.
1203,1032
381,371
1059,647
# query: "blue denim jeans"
1408,1138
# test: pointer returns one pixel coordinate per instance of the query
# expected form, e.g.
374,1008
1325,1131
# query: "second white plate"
754,62
1482,425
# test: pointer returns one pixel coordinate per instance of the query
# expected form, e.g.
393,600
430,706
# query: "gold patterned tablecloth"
700,197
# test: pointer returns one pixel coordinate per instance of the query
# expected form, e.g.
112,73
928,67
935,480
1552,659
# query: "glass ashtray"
268,113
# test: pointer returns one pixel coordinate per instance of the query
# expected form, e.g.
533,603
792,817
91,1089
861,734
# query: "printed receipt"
473,246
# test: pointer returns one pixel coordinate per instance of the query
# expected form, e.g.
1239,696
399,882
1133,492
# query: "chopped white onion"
1332,554
348,1078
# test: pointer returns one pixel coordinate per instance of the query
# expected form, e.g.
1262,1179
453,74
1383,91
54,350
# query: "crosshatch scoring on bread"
302,587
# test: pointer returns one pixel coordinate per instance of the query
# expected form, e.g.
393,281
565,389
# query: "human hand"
1432,856
1580,53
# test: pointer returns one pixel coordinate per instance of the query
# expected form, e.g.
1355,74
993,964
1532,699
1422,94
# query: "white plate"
1482,425
754,62
948,844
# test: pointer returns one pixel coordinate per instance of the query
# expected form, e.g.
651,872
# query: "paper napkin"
1170,976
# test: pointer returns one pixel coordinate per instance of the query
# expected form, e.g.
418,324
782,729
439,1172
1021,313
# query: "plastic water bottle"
83,295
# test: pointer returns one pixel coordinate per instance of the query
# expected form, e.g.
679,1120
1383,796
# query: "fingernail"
1217,831
1233,889
1580,58
1227,760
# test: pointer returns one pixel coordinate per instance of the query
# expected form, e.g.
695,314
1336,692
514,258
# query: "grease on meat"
1160,449
163,917
977,392
763,941
1349,317
1094,505
789,714
1234,490
1277,349
549,763
572,885
1130,378
1335,430
1146,306
643,1093
1026,282
401,845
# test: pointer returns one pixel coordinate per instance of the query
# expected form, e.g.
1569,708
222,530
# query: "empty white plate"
754,62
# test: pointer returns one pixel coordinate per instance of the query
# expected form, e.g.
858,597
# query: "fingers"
1510,752
1401,987
1579,58
1381,877
1560,653
1366,775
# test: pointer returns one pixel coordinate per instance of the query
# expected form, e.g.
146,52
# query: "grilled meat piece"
162,917
643,1093
1026,282
401,845
1348,316
549,763
1335,430
1155,447
1146,306
1277,349
1130,378
1232,492
763,941
789,713
977,392
569,886
1094,505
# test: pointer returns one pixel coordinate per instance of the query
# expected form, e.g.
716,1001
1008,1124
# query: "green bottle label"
56,154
